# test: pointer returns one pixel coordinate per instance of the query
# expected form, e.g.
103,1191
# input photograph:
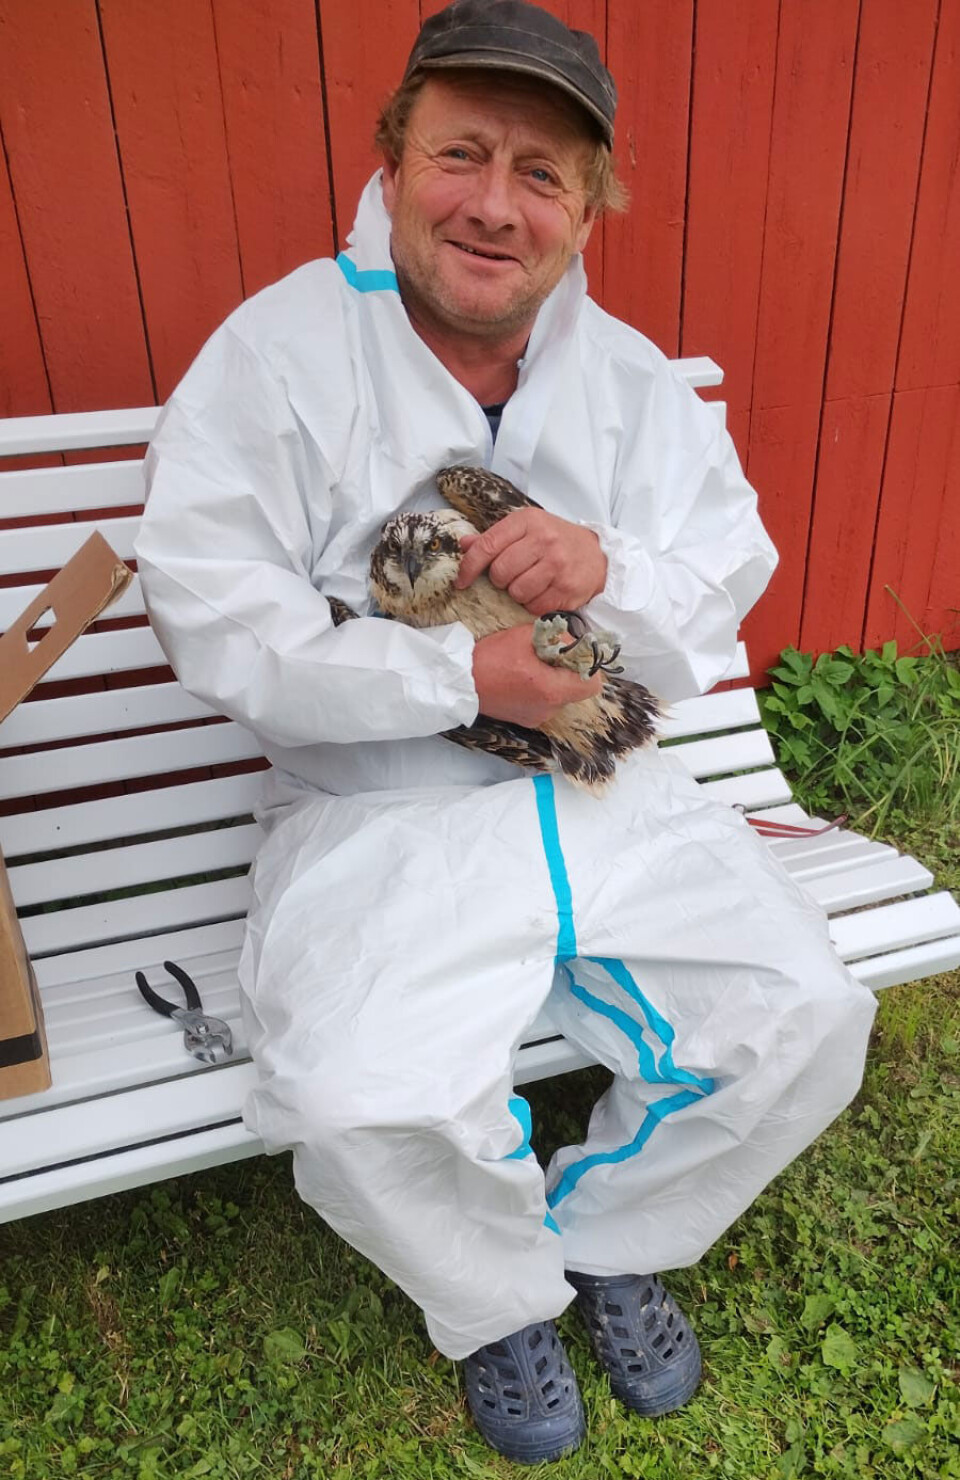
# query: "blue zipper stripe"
626,1024
663,1072
669,1073
520,1110
655,1114
372,280
550,834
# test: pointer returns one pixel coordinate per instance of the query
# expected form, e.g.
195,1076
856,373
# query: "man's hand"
545,563
514,684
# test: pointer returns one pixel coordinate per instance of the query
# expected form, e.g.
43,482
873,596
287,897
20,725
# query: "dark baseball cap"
514,36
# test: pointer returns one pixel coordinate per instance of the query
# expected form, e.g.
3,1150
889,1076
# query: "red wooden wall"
796,215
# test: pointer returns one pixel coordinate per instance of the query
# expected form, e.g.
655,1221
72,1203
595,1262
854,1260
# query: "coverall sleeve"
239,504
687,555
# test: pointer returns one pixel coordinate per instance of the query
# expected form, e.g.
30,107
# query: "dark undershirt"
493,415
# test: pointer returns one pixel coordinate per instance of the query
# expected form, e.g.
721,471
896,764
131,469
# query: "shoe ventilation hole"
650,1321
553,1402
539,1366
658,1341
535,1340
678,1337
614,1310
512,1393
628,1351
548,1386
635,1367
498,1350
489,1403
515,1412
621,1332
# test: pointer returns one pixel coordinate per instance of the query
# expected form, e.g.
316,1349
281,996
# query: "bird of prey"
413,568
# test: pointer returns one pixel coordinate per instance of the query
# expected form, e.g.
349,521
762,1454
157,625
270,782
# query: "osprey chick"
412,573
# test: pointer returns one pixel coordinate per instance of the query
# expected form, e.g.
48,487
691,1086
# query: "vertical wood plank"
23,380
58,132
894,58
649,52
852,439
782,458
916,498
170,129
811,109
588,15
942,612
894,55
269,55
807,151
735,63
930,344
365,47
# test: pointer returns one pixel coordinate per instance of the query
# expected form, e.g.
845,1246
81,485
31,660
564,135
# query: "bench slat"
900,967
68,431
870,884
196,947
722,753
755,789
728,710
891,927
103,713
49,546
123,1170
124,760
35,491
141,863
97,654
16,599
94,924
162,809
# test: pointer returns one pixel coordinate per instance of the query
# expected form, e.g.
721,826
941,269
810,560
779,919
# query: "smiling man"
416,906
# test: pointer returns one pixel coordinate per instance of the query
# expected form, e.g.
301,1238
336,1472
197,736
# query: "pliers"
209,1039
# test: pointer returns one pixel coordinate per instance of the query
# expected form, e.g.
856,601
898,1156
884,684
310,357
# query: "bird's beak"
413,565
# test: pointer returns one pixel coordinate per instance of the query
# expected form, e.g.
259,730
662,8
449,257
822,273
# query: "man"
415,904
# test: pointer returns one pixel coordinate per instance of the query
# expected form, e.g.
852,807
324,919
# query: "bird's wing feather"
481,496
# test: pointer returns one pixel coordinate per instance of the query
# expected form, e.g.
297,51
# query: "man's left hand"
544,562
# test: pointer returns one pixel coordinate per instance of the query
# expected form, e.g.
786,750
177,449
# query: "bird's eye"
434,544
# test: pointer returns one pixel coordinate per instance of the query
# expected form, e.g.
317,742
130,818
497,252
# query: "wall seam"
328,141
829,341
871,568
26,268
126,203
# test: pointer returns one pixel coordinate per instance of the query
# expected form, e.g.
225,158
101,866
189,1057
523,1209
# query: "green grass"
212,1327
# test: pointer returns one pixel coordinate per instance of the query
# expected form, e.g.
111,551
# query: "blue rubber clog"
641,1339
524,1397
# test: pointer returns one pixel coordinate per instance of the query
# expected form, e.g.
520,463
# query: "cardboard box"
76,596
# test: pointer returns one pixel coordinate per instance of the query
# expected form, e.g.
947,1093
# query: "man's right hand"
514,684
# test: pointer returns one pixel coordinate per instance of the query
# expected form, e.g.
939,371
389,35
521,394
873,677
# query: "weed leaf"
915,1389
284,1345
904,1434
816,1308
839,1349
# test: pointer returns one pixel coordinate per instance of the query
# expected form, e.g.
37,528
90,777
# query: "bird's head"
417,558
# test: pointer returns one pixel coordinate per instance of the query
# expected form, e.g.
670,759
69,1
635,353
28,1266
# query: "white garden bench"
127,1104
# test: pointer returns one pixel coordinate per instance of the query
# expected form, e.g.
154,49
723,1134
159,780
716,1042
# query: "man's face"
487,202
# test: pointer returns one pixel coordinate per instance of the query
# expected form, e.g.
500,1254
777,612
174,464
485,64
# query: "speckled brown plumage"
412,572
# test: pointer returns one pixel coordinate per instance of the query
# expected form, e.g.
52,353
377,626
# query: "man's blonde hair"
603,190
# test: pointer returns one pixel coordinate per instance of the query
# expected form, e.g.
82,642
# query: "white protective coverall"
416,904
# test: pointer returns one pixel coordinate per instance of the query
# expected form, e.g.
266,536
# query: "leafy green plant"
869,732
